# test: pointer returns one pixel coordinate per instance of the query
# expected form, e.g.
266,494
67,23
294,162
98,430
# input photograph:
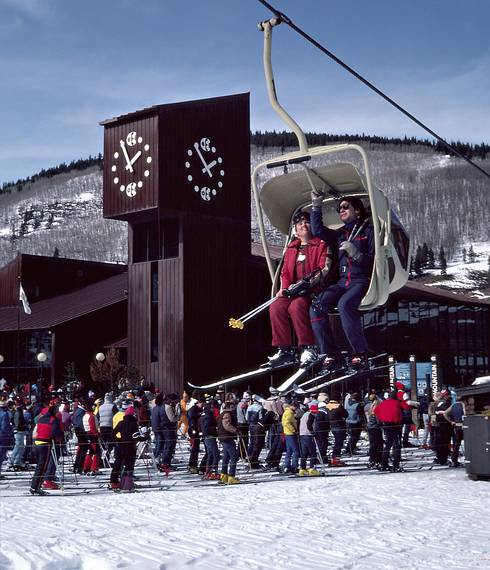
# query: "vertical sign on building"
391,371
434,376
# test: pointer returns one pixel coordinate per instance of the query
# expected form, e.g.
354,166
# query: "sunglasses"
343,207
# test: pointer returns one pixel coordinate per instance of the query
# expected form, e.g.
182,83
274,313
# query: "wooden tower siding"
202,281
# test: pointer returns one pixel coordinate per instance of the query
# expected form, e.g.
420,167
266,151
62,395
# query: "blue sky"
66,65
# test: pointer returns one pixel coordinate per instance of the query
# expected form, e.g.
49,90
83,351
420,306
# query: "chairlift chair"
283,195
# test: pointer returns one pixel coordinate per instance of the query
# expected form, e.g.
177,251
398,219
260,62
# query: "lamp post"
41,358
100,357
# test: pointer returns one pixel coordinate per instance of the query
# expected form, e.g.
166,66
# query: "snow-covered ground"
458,271
348,519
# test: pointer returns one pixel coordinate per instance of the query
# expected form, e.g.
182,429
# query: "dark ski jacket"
337,415
193,416
207,422
129,431
349,270
19,420
321,424
355,412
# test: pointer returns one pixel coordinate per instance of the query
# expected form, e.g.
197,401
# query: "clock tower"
179,174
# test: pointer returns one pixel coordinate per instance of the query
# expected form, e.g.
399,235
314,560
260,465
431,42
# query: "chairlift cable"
297,29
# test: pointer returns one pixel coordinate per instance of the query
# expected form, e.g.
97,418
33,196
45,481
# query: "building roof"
57,310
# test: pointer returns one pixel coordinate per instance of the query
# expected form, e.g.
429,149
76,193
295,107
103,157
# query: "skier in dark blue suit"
354,242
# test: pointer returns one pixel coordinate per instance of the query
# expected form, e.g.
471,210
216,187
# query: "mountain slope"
441,201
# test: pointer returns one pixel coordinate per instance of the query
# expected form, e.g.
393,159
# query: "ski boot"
39,492
114,486
308,356
193,470
223,479
303,473
312,472
358,363
336,462
51,486
284,355
331,364
232,480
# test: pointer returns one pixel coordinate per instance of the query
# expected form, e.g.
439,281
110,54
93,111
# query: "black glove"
298,289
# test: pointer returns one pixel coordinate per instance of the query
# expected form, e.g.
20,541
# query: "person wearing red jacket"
407,406
389,413
304,255
91,463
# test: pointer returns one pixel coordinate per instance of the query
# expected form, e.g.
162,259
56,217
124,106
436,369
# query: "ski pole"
239,323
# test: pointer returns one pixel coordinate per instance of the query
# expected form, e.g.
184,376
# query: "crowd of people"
293,435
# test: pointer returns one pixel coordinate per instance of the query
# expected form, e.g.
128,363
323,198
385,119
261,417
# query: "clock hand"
133,160
210,165
125,152
206,167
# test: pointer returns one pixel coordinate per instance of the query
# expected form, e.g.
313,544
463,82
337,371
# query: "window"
156,240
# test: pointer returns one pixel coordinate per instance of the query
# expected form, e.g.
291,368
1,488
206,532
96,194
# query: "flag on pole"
24,301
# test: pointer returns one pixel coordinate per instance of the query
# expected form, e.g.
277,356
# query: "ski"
342,369
348,376
244,376
298,375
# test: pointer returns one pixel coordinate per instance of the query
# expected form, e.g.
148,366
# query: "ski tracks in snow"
427,520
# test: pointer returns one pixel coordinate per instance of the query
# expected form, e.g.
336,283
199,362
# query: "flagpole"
18,334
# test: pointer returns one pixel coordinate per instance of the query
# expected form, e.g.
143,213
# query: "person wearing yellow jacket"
290,428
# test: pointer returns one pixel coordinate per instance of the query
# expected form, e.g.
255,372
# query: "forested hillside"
442,200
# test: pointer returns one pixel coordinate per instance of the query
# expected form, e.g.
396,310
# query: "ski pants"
159,444
277,445
457,439
347,300
283,312
375,445
230,457
17,455
116,466
50,473
82,450
441,441
322,442
292,453
392,433
128,458
169,443
308,451
43,453
354,430
339,438
212,452
257,439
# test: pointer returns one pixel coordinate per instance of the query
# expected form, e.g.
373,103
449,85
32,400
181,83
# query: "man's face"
346,212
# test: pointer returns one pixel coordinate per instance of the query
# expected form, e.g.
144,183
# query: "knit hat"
399,385
322,405
129,411
314,408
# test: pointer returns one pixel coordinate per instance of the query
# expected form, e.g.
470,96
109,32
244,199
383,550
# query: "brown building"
77,308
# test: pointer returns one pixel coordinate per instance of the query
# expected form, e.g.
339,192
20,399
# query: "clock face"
204,169
131,164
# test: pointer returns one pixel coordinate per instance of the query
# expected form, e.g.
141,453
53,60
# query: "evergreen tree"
442,261
431,261
418,263
464,255
471,254
56,252
425,255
